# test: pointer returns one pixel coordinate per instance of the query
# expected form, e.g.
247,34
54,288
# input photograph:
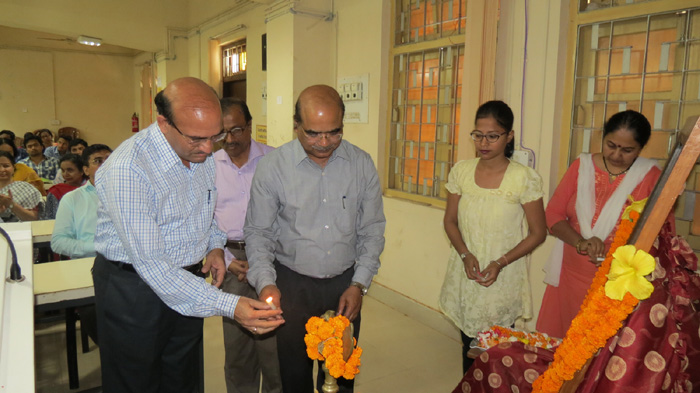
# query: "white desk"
64,281
17,345
65,285
42,231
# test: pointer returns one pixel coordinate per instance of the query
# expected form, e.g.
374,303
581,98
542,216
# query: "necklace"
613,176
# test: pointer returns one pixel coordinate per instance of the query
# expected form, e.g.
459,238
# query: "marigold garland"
329,336
598,319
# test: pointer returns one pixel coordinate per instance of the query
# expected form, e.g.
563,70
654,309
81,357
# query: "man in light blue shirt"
76,218
155,224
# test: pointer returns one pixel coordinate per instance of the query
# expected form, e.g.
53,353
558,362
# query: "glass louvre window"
425,20
233,59
426,95
590,5
650,64
425,120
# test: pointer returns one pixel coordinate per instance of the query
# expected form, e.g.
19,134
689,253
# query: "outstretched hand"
256,316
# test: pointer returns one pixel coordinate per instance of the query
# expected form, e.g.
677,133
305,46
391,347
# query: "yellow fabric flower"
637,206
627,271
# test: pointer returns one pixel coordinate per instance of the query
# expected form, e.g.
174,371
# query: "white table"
42,231
16,305
65,285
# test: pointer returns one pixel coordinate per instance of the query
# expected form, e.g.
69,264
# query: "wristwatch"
363,289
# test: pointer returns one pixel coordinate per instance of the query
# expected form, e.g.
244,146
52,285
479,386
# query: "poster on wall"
261,133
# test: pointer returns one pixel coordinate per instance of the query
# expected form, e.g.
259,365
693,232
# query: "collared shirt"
76,218
46,169
158,215
52,151
317,221
233,189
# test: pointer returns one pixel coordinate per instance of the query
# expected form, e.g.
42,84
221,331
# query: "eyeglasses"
235,131
333,134
196,140
490,138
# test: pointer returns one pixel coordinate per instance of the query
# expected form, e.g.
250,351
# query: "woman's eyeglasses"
490,138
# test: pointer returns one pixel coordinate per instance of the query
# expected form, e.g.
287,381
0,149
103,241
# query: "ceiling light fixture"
89,41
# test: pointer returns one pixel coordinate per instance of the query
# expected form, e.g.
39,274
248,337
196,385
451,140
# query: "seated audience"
19,201
77,146
44,166
45,135
22,172
72,169
76,218
9,135
58,149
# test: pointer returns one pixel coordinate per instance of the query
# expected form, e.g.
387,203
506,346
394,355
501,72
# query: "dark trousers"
466,360
302,298
145,346
248,356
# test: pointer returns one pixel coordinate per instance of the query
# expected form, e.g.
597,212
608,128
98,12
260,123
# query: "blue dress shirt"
158,215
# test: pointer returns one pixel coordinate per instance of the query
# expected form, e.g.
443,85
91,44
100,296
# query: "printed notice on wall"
261,133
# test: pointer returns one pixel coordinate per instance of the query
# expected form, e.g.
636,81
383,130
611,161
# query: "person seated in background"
45,135
20,152
59,149
22,172
77,146
72,169
76,218
44,166
19,201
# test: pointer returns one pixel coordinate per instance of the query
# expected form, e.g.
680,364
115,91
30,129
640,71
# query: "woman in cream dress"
494,218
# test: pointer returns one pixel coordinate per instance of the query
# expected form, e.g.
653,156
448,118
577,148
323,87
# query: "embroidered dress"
492,222
23,194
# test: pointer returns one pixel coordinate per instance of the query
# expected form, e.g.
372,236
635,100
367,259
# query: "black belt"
127,267
236,244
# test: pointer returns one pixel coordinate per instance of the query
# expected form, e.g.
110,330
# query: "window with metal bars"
233,59
651,64
426,95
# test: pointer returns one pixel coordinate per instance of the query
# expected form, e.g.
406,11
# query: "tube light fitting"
89,41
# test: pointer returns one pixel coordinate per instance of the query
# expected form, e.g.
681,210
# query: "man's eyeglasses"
490,138
197,140
333,134
235,131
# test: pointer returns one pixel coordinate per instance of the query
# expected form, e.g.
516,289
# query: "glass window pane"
425,119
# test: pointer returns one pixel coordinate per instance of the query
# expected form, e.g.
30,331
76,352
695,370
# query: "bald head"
317,97
189,116
186,94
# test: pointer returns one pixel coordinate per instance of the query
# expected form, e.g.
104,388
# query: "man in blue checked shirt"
154,226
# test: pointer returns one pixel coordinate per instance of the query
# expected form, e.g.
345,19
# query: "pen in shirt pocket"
344,201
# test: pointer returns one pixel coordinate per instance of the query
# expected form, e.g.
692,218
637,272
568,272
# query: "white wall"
93,93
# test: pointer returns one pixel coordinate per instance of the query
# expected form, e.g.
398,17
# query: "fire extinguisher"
135,123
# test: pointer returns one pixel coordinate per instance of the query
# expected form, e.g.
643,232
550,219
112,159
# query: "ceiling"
11,37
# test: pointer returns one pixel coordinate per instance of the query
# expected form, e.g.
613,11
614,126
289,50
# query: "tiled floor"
399,355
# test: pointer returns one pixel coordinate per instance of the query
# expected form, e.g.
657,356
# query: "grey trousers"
248,356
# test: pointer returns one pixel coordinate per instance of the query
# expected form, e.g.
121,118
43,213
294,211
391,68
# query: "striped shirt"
158,215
